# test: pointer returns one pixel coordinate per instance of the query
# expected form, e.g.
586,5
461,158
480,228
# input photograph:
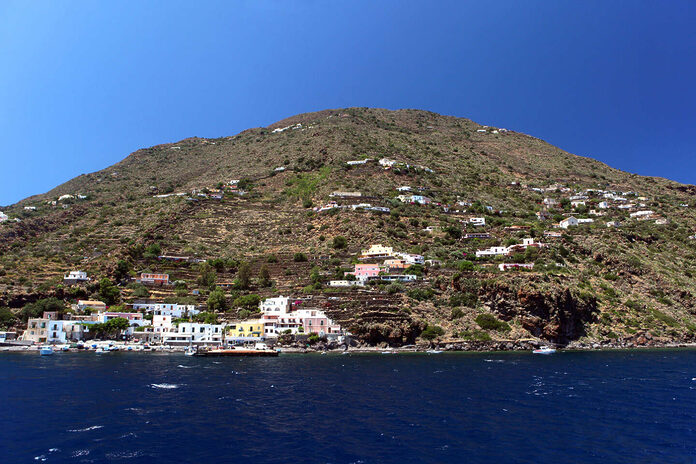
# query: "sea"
571,407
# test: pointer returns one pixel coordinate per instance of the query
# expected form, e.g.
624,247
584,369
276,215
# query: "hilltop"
256,198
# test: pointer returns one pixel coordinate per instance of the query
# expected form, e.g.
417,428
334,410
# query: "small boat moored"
260,349
544,350
45,350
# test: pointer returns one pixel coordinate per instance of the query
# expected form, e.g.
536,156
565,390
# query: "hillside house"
414,199
543,215
476,235
154,279
550,202
603,205
345,283
585,221
477,221
363,271
552,234
396,264
506,266
345,194
642,214
568,222
594,212
387,163
411,259
75,277
277,305
95,305
377,251
492,251
279,169
661,221
3,217
577,203
30,208
394,278
404,188
614,224
191,333
166,309
357,162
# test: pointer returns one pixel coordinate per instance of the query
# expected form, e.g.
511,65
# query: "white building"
386,162
614,224
506,266
492,251
585,221
404,188
278,305
167,309
644,213
346,283
377,251
603,205
411,259
195,334
30,208
477,221
3,217
568,222
75,277
353,163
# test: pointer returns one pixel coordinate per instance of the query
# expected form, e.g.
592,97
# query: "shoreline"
381,350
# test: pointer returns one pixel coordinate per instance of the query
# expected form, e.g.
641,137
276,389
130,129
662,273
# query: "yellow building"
377,251
252,328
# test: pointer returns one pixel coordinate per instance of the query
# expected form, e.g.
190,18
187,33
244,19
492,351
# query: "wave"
184,367
86,429
166,386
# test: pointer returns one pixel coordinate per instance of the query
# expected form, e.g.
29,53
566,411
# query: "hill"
631,284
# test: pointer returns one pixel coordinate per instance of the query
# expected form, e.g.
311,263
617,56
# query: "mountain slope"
628,283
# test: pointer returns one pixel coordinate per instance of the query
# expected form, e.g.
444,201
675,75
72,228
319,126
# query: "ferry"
45,350
259,349
544,350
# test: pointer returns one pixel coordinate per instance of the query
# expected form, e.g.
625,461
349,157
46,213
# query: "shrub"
432,331
420,294
216,300
340,242
490,322
247,301
457,313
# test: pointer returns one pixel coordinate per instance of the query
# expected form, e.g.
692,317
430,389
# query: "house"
315,321
353,163
345,283
543,215
75,277
585,221
154,279
396,264
65,197
577,203
506,266
594,212
345,194
411,259
279,169
477,221
420,199
661,221
192,333
481,130
363,271
134,319
614,224
244,330
404,188
166,309
67,331
3,217
92,304
387,163
568,222
550,202
277,305
30,208
394,277
477,235
492,251
517,228
377,251
552,234
603,205
642,214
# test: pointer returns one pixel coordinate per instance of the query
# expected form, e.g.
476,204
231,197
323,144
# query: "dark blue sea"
599,407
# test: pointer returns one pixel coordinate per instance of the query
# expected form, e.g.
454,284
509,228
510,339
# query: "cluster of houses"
509,250
394,262
162,323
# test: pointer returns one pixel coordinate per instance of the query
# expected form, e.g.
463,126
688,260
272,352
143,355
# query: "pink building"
317,322
108,315
365,270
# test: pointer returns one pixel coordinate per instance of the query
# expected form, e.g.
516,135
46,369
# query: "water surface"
599,407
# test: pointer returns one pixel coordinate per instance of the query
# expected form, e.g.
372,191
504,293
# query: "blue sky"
85,83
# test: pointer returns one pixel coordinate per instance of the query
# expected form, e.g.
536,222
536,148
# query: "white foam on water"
78,453
165,386
87,429
184,367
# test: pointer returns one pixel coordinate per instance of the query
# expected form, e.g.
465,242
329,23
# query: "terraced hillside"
591,283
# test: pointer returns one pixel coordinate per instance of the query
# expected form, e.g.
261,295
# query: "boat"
389,352
65,348
544,350
190,351
101,350
260,349
45,350
434,351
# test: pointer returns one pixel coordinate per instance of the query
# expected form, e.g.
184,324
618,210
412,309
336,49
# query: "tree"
122,270
299,257
108,292
217,301
244,275
152,251
247,301
265,277
7,318
432,331
340,242
109,329
208,276
37,308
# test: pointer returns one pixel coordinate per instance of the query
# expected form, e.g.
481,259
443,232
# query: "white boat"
190,351
544,350
45,350
101,350
434,351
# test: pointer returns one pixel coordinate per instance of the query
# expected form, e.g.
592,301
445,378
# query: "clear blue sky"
84,83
